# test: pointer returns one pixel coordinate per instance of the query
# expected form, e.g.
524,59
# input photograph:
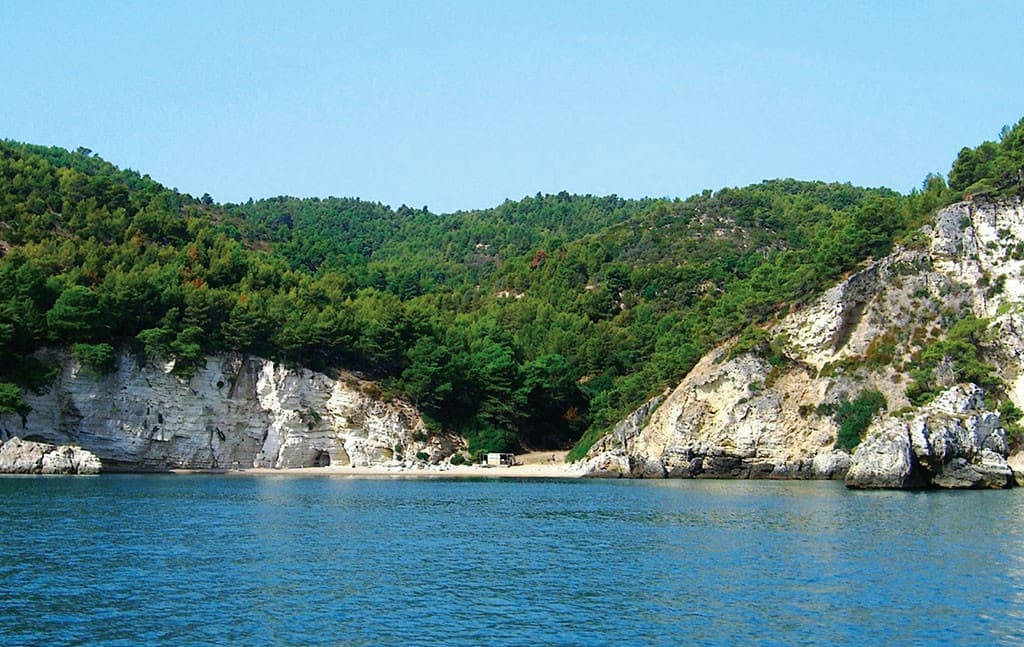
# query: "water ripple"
124,560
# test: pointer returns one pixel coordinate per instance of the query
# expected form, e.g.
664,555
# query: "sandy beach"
532,465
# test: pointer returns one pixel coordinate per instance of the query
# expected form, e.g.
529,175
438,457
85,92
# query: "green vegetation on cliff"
537,323
854,416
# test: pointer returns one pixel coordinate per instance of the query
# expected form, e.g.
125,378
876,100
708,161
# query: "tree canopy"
537,323
992,167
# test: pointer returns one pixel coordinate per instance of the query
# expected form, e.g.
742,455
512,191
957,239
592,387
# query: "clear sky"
460,105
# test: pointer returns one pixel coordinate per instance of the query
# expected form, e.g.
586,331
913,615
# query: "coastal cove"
508,324
785,330
223,559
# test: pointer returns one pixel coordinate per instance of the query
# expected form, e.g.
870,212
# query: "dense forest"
538,323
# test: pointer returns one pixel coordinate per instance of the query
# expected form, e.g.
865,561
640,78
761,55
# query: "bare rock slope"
236,412
769,413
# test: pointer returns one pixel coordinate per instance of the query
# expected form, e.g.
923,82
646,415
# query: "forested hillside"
537,323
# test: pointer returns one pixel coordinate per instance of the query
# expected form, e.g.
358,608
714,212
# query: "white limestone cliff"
738,415
19,456
953,442
236,412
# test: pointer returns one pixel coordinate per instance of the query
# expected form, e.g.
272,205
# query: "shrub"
1010,416
583,445
854,416
881,351
753,339
11,400
963,349
98,359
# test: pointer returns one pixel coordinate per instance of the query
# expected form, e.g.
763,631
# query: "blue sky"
460,105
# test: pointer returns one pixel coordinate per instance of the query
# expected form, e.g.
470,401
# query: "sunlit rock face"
19,456
236,412
953,442
768,415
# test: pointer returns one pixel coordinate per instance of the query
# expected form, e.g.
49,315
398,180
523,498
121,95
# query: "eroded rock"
954,442
236,412
737,415
19,456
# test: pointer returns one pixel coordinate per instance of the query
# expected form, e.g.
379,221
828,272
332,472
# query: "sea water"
294,560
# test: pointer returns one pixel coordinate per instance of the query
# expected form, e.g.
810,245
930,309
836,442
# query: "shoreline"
550,471
534,465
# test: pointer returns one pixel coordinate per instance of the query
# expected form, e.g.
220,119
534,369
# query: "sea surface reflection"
132,559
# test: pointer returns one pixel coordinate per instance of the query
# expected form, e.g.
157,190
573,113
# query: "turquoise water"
290,560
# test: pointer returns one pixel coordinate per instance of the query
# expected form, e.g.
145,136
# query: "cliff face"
235,412
953,442
768,413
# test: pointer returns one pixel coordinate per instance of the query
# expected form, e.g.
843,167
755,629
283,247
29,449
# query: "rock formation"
236,412
19,456
953,442
768,413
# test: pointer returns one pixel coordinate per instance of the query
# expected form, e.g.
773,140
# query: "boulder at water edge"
19,456
953,442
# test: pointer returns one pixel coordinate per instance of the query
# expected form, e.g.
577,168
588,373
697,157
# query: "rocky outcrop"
722,422
954,442
236,412
885,460
739,415
1015,462
19,456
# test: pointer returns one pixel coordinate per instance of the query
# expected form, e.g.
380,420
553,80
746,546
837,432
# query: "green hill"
537,323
